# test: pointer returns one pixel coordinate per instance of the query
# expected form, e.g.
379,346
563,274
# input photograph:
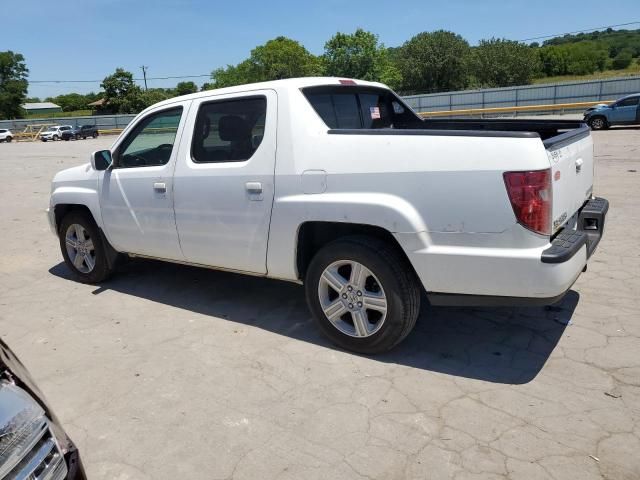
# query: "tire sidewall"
101,268
344,250
603,125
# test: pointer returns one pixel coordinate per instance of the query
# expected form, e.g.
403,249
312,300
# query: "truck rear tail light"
531,198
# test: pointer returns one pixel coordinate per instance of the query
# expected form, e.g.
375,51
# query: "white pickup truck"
340,185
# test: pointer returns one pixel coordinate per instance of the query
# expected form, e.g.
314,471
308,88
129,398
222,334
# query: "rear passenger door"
224,180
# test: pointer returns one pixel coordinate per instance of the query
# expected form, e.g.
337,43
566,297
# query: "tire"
8,139
44,139
77,137
598,123
82,269
387,275
95,135
55,137
84,138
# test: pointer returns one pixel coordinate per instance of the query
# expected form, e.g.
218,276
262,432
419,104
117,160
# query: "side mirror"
101,160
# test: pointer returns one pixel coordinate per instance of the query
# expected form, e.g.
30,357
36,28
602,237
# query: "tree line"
428,62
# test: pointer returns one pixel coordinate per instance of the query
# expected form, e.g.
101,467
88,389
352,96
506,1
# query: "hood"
75,174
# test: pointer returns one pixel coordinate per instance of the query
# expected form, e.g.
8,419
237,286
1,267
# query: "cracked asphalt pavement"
176,372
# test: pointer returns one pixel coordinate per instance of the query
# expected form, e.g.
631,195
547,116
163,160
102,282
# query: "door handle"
254,187
160,187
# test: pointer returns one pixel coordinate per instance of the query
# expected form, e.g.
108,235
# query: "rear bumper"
589,230
480,276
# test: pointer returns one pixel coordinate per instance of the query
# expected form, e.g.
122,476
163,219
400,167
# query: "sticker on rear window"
375,113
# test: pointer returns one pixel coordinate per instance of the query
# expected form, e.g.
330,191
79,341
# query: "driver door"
136,194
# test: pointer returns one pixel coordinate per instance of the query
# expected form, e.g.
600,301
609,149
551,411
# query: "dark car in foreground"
83,132
33,445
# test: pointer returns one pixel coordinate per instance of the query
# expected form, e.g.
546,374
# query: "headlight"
28,449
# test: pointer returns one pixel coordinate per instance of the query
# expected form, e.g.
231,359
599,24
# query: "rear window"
348,107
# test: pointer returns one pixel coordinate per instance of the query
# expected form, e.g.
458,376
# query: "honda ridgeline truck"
339,185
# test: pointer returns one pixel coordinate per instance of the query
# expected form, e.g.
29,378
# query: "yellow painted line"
522,108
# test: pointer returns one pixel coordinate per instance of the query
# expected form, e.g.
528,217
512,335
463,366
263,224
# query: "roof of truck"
289,83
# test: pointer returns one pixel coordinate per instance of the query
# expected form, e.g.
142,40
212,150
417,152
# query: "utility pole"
144,74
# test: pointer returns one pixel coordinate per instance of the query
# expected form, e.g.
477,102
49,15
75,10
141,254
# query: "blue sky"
88,39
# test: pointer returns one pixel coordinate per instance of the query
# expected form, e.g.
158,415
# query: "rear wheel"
363,294
8,139
55,137
598,123
95,135
82,248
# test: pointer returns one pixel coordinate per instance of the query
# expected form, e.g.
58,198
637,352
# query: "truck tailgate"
571,158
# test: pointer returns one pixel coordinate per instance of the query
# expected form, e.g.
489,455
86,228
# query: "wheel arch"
313,235
63,209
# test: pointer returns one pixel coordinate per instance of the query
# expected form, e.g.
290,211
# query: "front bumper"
51,218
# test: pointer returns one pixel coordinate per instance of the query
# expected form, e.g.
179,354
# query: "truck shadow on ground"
500,345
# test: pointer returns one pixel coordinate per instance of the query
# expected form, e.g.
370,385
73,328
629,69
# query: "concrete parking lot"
170,372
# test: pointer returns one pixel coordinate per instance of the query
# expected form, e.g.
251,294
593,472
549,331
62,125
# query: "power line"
136,79
208,75
577,31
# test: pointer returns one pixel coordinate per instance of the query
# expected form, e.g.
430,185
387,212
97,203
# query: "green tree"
278,58
360,55
13,84
623,59
121,93
185,88
503,63
283,58
234,75
434,62
150,97
70,101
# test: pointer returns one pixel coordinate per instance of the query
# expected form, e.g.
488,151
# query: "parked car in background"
625,111
54,133
83,132
33,445
363,201
5,135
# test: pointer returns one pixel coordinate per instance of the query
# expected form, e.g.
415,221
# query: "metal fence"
541,94
103,122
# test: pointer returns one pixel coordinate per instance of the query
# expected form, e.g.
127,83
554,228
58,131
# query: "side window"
151,141
339,110
229,130
628,102
366,108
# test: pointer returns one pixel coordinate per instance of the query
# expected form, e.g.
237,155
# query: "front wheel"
598,123
55,137
363,294
82,248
